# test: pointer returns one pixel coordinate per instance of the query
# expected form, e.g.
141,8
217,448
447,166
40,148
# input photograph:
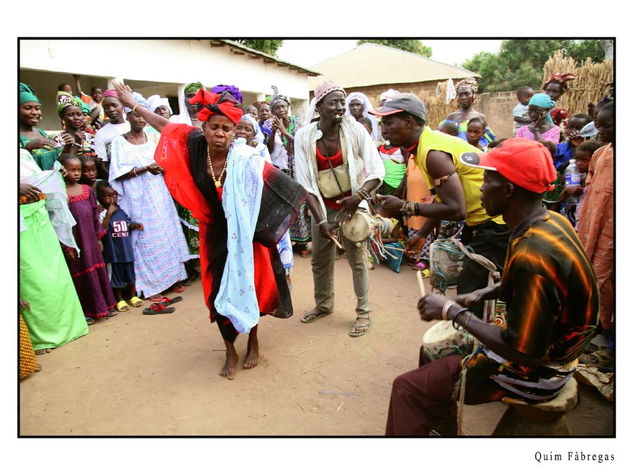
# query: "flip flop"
313,315
178,288
158,299
359,329
157,308
122,306
169,301
136,302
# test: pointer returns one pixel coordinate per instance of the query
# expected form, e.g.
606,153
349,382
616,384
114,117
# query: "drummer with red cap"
551,297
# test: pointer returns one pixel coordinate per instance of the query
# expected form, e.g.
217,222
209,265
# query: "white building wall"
174,62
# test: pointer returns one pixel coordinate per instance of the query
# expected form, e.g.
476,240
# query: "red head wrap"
217,104
560,79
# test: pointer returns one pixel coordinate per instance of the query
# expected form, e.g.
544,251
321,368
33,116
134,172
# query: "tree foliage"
520,62
265,46
412,46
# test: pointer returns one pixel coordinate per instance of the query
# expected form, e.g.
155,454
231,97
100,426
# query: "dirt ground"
138,374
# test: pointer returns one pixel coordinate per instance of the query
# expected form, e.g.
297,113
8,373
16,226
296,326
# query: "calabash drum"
359,227
442,340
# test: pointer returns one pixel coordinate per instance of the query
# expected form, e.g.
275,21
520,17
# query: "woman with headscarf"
542,128
188,111
71,111
243,206
160,105
555,87
34,140
281,129
357,105
160,249
466,90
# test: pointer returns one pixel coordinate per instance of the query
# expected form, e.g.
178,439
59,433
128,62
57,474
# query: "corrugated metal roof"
372,64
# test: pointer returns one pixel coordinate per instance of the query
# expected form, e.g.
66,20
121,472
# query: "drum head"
439,332
358,228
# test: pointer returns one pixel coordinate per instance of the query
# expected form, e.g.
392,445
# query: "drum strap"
493,274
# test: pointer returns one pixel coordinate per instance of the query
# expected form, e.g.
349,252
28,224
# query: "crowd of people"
131,202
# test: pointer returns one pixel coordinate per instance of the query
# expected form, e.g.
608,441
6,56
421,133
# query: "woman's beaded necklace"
216,181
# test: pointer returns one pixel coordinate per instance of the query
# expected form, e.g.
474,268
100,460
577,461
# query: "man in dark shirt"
550,292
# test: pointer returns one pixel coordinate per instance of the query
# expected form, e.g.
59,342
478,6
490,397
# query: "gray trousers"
323,256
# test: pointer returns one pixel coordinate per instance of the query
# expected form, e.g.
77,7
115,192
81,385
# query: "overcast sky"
307,53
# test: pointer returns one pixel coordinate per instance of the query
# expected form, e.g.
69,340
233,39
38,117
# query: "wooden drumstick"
336,242
421,283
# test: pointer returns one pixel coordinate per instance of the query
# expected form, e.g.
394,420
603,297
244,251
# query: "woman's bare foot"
43,351
252,350
230,365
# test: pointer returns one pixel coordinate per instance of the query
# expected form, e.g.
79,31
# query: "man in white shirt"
118,125
338,142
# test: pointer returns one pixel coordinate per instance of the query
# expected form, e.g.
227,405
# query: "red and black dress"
182,152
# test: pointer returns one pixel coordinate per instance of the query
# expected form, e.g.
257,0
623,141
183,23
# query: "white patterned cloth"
160,249
51,183
241,200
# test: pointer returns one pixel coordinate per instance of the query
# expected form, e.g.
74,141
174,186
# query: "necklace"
216,181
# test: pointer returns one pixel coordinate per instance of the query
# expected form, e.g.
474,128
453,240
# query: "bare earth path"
158,375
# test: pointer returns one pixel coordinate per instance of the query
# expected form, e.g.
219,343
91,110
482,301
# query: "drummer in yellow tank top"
456,188
471,178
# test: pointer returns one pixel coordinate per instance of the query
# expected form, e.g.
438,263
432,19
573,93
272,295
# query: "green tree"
265,46
412,46
520,62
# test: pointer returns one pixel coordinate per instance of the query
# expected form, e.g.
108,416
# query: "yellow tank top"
470,177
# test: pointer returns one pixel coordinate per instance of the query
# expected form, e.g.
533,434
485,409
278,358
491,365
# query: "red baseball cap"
526,163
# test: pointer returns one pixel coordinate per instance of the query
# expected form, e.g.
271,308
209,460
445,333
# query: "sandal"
135,302
90,320
157,299
359,329
157,308
313,315
167,301
122,306
178,288
112,313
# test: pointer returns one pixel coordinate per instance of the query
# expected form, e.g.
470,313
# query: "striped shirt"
551,297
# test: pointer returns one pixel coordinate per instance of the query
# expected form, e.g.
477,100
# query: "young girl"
89,173
117,247
88,270
475,130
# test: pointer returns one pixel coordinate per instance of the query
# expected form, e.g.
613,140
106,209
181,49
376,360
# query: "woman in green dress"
54,316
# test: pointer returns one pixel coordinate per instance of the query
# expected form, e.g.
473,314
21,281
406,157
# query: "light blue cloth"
241,200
